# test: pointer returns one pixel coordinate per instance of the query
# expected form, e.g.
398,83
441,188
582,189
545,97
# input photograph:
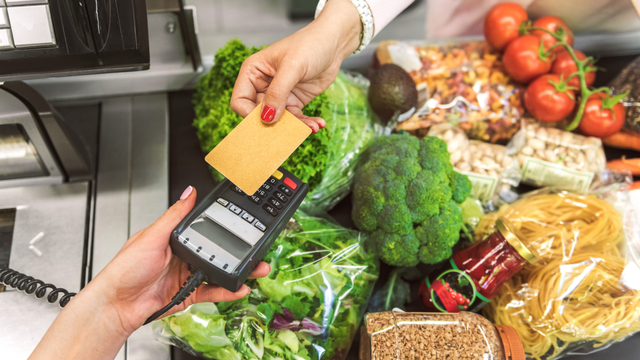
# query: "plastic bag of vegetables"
352,128
325,160
309,307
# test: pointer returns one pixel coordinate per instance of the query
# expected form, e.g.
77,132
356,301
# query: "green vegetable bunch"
406,194
215,119
309,307
352,128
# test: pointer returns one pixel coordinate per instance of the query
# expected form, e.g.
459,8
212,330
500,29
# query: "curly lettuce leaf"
214,118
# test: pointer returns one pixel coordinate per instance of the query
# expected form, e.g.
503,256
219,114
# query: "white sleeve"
384,11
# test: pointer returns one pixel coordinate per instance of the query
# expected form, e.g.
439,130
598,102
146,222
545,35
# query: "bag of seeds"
432,336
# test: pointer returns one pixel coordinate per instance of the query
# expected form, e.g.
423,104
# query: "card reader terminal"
229,232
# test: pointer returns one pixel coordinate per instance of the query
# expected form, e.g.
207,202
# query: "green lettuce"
308,308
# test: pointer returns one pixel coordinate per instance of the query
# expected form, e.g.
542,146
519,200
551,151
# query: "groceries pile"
483,204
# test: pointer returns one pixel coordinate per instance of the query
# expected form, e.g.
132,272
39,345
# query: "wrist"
94,300
342,20
88,327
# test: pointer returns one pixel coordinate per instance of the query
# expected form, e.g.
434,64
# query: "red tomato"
546,99
522,59
599,122
552,23
564,64
502,24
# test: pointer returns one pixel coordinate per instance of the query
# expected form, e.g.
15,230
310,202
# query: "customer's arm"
293,71
140,280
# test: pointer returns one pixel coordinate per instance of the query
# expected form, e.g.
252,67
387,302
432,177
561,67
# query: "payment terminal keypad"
248,217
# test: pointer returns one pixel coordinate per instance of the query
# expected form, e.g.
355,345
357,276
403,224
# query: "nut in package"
488,166
557,158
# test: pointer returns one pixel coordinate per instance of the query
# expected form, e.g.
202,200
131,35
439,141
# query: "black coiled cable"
30,285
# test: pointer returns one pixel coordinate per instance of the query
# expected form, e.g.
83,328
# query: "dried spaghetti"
576,299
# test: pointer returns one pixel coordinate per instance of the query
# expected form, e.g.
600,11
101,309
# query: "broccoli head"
406,195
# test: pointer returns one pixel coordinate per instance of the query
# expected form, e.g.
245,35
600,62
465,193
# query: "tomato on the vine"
502,24
564,64
552,23
603,116
525,60
548,99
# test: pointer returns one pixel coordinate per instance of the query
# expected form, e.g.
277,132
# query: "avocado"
392,91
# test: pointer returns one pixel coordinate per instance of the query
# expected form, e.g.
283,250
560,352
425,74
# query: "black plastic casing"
91,37
233,282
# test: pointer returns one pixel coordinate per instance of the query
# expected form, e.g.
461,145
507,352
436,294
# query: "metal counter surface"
131,190
58,258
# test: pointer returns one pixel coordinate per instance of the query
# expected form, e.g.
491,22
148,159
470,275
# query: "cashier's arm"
140,280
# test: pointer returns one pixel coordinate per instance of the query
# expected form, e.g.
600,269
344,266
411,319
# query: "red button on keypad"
290,183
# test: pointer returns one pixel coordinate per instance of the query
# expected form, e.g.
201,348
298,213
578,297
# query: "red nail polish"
313,130
322,126
268,113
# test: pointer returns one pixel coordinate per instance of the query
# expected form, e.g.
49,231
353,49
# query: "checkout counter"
87,160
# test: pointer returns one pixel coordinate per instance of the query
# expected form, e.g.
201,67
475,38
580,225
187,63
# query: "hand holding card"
253,151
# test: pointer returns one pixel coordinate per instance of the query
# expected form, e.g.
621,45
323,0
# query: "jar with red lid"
474,275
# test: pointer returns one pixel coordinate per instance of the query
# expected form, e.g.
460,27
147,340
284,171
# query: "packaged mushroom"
487,165
558,158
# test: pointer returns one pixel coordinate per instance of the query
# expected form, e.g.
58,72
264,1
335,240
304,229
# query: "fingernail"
314,130
322,125
268,113
186,192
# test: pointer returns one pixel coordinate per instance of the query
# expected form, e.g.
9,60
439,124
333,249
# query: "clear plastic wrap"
309,307
462,83
628,80
487,165
584,294
352,126
395,334
553,157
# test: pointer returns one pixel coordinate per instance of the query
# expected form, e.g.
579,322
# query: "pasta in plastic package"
584,294
553,157
463,83
488,166
308,308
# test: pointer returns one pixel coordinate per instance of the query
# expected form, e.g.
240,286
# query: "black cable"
30,285
190,285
